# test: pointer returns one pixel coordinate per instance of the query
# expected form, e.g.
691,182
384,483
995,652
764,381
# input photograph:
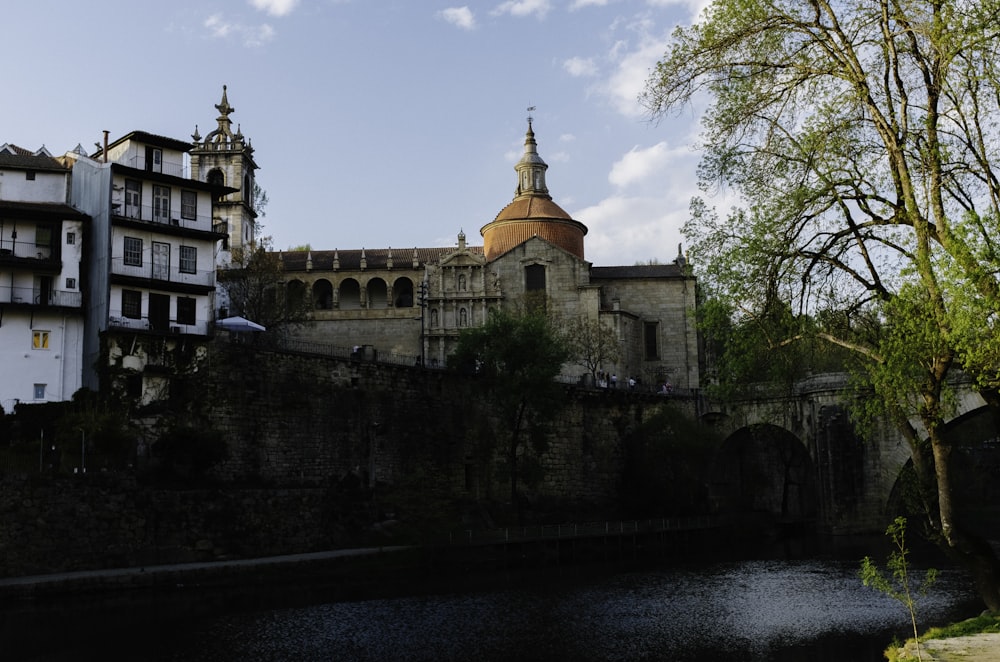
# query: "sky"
379,123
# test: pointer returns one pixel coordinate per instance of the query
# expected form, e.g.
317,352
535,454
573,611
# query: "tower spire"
224,133
531,168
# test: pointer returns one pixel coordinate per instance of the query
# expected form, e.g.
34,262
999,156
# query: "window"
132,304
133,251
70,283
30,175
189,204
650,337
534,277
161,204
189,259
154,159
133,198
70,238
39,340
534,286
39,392
43,236
185,310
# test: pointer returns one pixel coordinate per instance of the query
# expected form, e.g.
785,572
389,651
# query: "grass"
987,622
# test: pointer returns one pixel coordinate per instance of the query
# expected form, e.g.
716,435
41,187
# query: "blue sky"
379,123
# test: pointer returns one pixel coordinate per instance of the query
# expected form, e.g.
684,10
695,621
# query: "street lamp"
422,299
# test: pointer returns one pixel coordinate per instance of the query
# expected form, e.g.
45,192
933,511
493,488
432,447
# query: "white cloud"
251,35
640,164
217,27
578,66
632,69
461,17
275,7
642,219
579,4
518,8
695,7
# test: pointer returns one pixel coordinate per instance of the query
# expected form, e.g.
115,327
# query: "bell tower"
226,158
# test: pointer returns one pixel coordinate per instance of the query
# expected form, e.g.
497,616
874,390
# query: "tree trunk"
971,551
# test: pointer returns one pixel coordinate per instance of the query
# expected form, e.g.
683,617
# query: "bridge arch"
763,471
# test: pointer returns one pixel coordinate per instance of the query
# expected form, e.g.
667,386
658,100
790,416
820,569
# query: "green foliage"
860,144
898,583
667,464
978,625
514,359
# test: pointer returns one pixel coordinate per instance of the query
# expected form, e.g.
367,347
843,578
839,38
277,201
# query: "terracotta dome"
532,212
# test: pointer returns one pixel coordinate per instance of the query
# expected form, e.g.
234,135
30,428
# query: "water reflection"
754,610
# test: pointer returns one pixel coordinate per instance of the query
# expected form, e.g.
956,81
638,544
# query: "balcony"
118,322
161,275
145,216
29,255
34,296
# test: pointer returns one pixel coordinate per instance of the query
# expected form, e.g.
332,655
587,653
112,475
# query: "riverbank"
983,647
220,573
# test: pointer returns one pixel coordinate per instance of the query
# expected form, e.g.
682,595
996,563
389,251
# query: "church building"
415,302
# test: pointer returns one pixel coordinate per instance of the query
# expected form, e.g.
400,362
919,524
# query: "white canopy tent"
239,324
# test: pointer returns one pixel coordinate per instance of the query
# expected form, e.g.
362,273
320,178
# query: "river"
763,607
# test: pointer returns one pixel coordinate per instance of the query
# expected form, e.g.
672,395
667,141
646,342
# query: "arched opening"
322,294
402,293
763,474
975,457
350,294
378,293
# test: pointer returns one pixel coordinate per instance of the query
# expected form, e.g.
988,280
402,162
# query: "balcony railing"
36,297
163,273
117,321
147,214
24,250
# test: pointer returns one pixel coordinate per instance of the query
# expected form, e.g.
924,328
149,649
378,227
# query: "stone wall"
314,436
99,521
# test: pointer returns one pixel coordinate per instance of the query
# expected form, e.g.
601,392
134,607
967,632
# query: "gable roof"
19,158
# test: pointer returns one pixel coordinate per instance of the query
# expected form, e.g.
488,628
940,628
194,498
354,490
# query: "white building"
151,263
41,303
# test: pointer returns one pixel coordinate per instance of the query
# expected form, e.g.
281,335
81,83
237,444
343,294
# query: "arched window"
216,177
402,293
322,294
378,293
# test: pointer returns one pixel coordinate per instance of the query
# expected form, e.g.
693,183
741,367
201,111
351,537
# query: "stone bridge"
797,457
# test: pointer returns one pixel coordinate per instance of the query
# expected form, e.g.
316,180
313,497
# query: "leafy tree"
255,285
591,344
861,137
899,585
515,358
